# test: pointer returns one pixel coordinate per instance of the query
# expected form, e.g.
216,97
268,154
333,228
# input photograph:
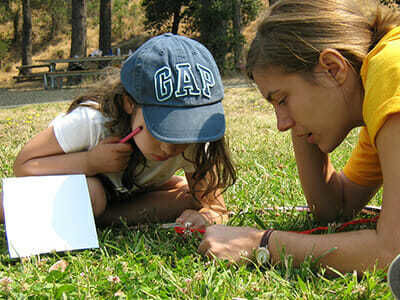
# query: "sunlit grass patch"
147,262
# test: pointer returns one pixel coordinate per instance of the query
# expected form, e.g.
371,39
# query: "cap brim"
184,125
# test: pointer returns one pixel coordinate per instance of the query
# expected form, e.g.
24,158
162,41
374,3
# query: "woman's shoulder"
385,51
381,76
390,39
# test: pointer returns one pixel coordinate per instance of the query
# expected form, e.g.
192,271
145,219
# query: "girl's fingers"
193,217
111,144
119,147
110,140
185,216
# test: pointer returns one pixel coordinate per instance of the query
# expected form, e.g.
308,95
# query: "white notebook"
48,213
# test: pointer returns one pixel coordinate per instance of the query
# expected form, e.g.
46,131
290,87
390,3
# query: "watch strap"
262,253
265,238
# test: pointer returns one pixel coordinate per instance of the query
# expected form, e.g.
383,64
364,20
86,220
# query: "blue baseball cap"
178,84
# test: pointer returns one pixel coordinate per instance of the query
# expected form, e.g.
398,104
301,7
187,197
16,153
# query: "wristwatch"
262,253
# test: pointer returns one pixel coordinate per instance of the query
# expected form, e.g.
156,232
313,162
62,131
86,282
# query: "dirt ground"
11,97
15,97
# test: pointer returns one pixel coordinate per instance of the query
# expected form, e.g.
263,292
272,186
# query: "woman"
328,66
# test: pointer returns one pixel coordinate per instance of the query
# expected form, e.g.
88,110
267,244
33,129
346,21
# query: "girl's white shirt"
83,128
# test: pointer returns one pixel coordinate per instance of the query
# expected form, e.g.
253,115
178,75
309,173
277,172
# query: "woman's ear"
128,105
331,61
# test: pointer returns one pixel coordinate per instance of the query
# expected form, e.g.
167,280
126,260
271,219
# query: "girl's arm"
329,194
213,209
357,250
43,155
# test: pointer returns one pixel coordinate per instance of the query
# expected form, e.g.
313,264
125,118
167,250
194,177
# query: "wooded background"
218,24
28,26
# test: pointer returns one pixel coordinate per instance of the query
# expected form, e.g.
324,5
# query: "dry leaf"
5,281
61,265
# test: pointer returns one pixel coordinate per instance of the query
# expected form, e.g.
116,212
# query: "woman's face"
316,111
152,148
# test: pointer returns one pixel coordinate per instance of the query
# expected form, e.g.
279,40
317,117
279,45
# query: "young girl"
328,66
169,96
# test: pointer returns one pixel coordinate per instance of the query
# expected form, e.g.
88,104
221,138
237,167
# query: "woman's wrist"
262,253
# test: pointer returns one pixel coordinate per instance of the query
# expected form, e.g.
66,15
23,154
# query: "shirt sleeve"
79,130
381,77
363,167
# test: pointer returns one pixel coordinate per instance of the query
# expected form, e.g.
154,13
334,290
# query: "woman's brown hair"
293,33
211,160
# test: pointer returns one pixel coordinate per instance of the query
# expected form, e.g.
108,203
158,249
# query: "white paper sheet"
48,213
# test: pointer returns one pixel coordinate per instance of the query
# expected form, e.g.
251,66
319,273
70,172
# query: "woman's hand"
236,244
108,156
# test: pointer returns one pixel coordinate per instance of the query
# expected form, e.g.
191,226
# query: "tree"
78,22
10,11
211,20
105,26
164,15
218,23
16,26
58,11
237,29
244,12
26,34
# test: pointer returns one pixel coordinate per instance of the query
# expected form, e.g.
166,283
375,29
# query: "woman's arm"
329,193
357,250
44,156
345,252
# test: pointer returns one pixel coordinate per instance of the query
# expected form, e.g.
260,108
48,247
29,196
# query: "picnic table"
28,76
89,67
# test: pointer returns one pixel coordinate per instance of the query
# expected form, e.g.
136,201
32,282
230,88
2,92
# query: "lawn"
154,263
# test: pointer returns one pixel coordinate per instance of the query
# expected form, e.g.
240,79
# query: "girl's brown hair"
212,160
293,33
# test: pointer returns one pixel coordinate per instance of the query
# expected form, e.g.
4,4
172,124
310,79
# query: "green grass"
153,263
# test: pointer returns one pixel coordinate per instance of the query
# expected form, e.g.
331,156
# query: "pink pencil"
131,135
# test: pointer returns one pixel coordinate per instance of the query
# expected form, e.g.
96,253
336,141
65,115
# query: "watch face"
262,255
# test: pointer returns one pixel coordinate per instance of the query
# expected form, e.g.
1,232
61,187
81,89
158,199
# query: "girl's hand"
236,244
194,217
108,156
218,215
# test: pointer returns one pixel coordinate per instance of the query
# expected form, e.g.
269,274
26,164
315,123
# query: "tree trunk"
78,37
78,22
105,27
26,34
176,19
55,20
237,43
16,26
